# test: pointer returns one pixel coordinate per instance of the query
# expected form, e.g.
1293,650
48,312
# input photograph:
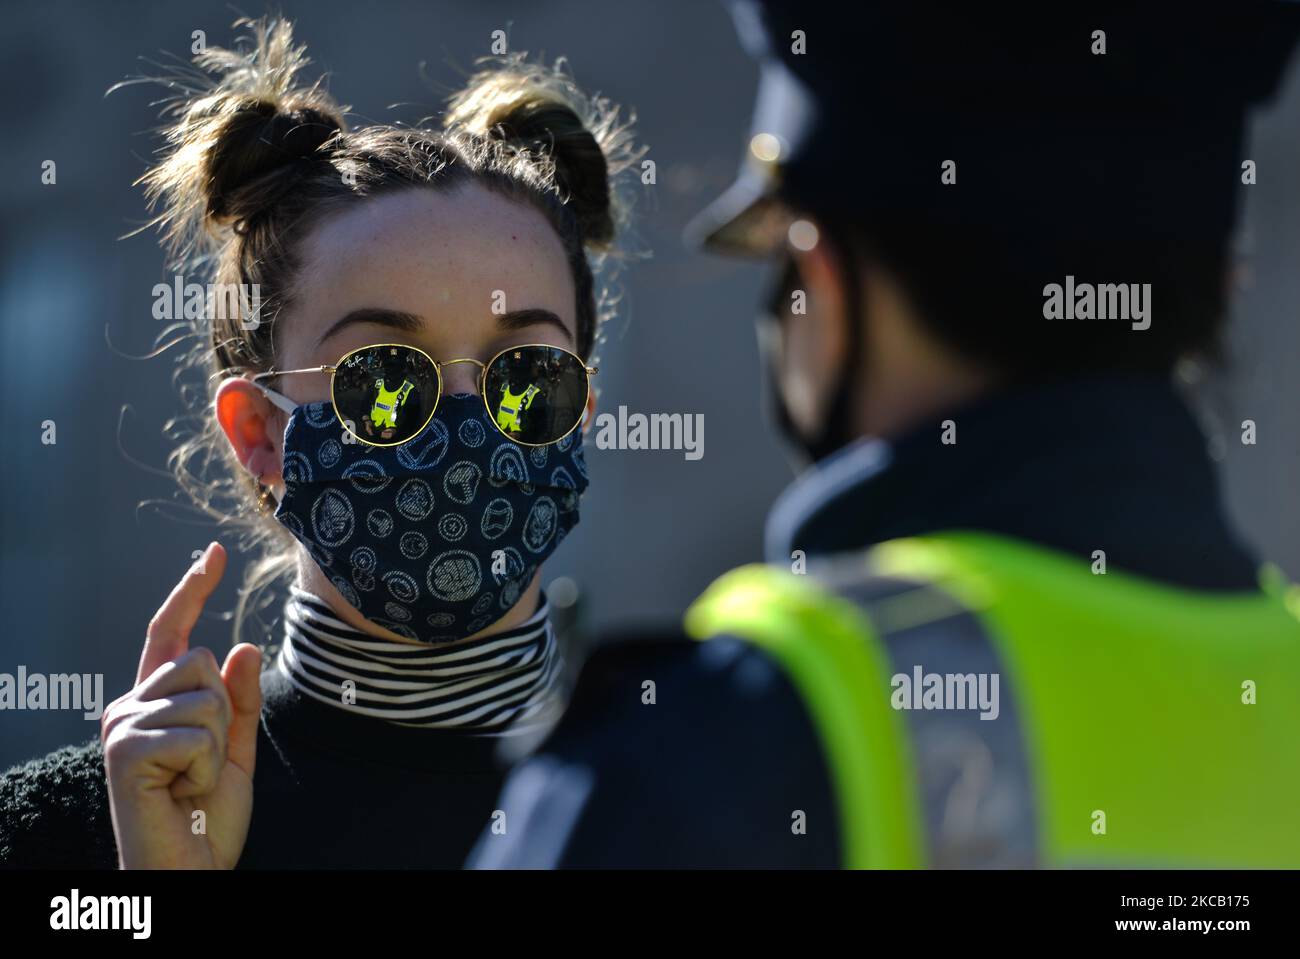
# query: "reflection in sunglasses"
384,411
512,406
385,394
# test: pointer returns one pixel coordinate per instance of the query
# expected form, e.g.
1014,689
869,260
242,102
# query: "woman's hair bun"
257,139
551,128
242,133
579,139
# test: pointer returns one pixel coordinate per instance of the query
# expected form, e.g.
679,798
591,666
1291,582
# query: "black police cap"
1099,117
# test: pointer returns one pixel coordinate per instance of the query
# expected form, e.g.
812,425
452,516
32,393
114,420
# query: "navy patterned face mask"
435,539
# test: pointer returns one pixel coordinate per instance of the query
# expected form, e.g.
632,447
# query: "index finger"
168,635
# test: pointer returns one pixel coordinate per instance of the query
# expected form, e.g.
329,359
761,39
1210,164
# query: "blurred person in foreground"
1004,620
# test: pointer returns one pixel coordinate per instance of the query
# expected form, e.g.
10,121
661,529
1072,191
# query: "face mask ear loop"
837,425
836,428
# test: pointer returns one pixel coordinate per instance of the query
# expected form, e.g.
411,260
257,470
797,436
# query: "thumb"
242,675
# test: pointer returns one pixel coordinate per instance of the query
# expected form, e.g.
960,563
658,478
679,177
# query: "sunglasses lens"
385,394
536,393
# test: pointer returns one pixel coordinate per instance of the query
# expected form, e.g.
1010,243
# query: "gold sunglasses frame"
437,369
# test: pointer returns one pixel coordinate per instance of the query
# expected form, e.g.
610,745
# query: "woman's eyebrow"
410,323
522,319
406,322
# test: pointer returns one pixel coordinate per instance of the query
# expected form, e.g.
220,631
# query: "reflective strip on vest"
969,763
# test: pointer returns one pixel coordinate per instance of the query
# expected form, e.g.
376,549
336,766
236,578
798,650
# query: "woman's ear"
252,426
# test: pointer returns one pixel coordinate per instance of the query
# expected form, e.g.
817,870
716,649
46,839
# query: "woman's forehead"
457,256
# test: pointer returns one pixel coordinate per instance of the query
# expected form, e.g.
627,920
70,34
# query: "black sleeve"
722,769
54,812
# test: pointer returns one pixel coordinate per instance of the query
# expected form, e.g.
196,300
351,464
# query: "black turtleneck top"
370,754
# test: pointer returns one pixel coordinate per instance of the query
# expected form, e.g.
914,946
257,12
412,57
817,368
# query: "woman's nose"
460,377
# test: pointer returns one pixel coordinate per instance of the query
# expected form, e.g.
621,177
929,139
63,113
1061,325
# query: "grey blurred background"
83,565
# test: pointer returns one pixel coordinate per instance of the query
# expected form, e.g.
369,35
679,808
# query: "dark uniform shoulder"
54,812
673,753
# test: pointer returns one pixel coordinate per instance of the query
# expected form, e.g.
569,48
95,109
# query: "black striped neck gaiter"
504,683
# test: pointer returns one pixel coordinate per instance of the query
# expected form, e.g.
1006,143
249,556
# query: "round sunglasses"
387,393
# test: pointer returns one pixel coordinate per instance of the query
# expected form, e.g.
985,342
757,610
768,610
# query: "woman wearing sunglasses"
402,421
